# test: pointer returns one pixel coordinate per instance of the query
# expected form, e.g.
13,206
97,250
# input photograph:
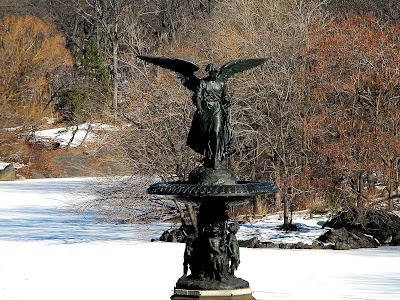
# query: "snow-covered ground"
266,230
49,252
63,135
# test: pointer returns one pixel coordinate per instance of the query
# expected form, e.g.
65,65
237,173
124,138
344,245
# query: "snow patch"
63,135
266,230
16,165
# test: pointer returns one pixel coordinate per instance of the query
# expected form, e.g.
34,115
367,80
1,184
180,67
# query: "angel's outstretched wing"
183,68
239,65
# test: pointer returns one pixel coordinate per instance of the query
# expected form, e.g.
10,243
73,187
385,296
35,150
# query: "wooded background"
320,119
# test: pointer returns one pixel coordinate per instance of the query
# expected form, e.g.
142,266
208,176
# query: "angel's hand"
228,104
200,110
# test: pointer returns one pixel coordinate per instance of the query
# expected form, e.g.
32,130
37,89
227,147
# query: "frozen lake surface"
48,251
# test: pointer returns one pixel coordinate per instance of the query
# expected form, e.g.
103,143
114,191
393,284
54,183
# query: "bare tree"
355,88
113,19
270,110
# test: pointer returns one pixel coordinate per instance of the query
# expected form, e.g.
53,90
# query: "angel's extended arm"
226,99
197,98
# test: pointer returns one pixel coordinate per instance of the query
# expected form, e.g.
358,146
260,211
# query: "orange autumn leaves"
355,84
30,49
355,53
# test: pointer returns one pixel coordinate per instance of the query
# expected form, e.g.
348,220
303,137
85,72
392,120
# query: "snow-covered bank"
64,134
266,230
129,270
49,252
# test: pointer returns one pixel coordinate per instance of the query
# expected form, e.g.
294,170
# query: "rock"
301,245
366,238
249,243
287,246
8,173
341,246
174,236
20,177
165,236
345,218
396,240
270,245
345,240
39,175
328,246
316,245
377,223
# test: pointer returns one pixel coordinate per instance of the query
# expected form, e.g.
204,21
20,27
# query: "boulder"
39,175
341,246
251,243
270,245
316,245
396,240
166,236
287,246
20,177
345,240
301,245
173,235
379,224
8,173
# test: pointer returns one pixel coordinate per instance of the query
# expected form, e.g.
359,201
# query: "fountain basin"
238,193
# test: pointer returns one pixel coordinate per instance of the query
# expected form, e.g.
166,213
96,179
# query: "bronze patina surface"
212,252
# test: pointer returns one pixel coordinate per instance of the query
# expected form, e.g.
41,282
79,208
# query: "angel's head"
212,70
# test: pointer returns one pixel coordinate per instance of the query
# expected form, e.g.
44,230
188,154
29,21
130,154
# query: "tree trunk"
86,134
391,204
192,216
115,75
257,206
181,213
278,201
390,190
278,195
257,202
286,212
360,190
73,137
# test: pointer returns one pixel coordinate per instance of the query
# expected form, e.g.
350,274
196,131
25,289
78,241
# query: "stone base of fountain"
241,297
236,294
230,283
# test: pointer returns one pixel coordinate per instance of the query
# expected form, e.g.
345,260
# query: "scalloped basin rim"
241,189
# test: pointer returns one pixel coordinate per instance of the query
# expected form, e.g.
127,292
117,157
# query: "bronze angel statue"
211,132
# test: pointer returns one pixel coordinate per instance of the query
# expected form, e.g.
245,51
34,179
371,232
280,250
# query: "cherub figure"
190,235
233,247
215,244
211,132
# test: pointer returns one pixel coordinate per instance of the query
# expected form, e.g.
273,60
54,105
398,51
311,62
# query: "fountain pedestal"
212,255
